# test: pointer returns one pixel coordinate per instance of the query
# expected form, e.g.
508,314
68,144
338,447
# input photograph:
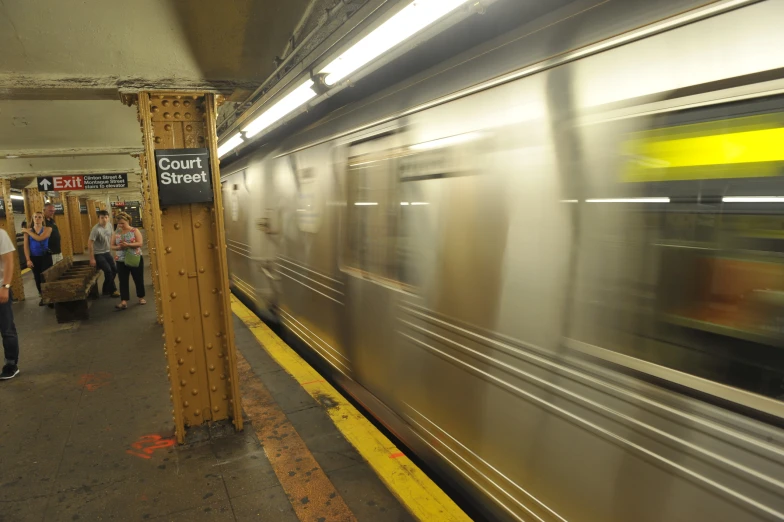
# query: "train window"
688,270
373,216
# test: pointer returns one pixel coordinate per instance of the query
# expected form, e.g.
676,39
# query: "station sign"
118,204
83,209
58,209
2,207
82,182
184,176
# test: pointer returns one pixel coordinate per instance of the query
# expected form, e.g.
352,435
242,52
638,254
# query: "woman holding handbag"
128,246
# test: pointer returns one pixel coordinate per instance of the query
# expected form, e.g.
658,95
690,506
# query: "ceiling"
64,64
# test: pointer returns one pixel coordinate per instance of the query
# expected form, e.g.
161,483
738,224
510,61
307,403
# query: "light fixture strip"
285,106
404,24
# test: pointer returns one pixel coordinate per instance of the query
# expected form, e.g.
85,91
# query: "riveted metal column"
7,222
194,282
34,202
75,220
63,223
87,225
92,212
149,228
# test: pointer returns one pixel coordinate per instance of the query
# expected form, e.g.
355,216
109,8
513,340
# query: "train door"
372,262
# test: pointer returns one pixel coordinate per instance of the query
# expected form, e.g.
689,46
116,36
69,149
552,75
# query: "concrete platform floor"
91,393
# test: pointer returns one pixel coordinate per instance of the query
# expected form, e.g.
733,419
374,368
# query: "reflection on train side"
700,224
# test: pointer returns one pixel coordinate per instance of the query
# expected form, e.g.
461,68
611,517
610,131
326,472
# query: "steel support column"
63,223
7,222
87,224
149,232
34,202
198,330
75,219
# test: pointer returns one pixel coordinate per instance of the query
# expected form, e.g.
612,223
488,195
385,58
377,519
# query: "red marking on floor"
95,381
311,382
147,445
397,455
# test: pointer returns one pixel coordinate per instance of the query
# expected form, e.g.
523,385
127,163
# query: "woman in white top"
128,242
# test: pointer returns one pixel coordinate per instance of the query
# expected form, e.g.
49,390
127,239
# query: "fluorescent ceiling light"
366,203
753,199
14,196
407,22
286,105
568,201
419,203
231,144
629,200
445,142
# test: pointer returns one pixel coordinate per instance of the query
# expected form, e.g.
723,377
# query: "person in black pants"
128,240
100,245
7,326
36,247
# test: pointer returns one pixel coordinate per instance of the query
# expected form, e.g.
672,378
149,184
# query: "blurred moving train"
554,265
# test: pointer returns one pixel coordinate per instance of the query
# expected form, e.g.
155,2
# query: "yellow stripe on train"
678,154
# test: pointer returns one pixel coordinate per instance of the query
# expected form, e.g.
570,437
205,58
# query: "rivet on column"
190,348
193,370
185,404
201,270
222,376
215,408
176,226
207,313
173,295
209,346
167,127
178,340
176,114
166,115
186,316
214,388
182,271
197,224
168,250
197,412
181,361
194,391
183,383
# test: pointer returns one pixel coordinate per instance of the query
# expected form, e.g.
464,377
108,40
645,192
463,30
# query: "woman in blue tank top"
36,247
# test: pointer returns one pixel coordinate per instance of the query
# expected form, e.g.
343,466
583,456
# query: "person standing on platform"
7,326
54,239
100,244
128,245
36,248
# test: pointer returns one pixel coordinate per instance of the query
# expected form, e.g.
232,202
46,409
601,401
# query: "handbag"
132,259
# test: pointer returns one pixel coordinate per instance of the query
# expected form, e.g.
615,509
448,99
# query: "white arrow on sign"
45,183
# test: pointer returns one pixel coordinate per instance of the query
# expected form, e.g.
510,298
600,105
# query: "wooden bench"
68,285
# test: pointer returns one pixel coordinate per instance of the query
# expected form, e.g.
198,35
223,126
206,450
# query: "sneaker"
9,372
116,294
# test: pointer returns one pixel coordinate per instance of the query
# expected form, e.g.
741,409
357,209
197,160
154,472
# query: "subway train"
552,265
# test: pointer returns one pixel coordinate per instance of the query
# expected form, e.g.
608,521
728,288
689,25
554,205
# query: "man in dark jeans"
54,238
100,243
7,326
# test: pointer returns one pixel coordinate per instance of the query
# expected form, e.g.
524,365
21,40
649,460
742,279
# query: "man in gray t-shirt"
100,242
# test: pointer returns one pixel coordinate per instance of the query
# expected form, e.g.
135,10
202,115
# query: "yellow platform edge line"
412,487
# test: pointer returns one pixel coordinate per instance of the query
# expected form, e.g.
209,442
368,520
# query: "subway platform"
86,434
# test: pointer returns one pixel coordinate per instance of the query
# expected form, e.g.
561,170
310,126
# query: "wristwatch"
7,286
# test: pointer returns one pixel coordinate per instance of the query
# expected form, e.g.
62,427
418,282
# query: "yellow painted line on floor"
420,495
